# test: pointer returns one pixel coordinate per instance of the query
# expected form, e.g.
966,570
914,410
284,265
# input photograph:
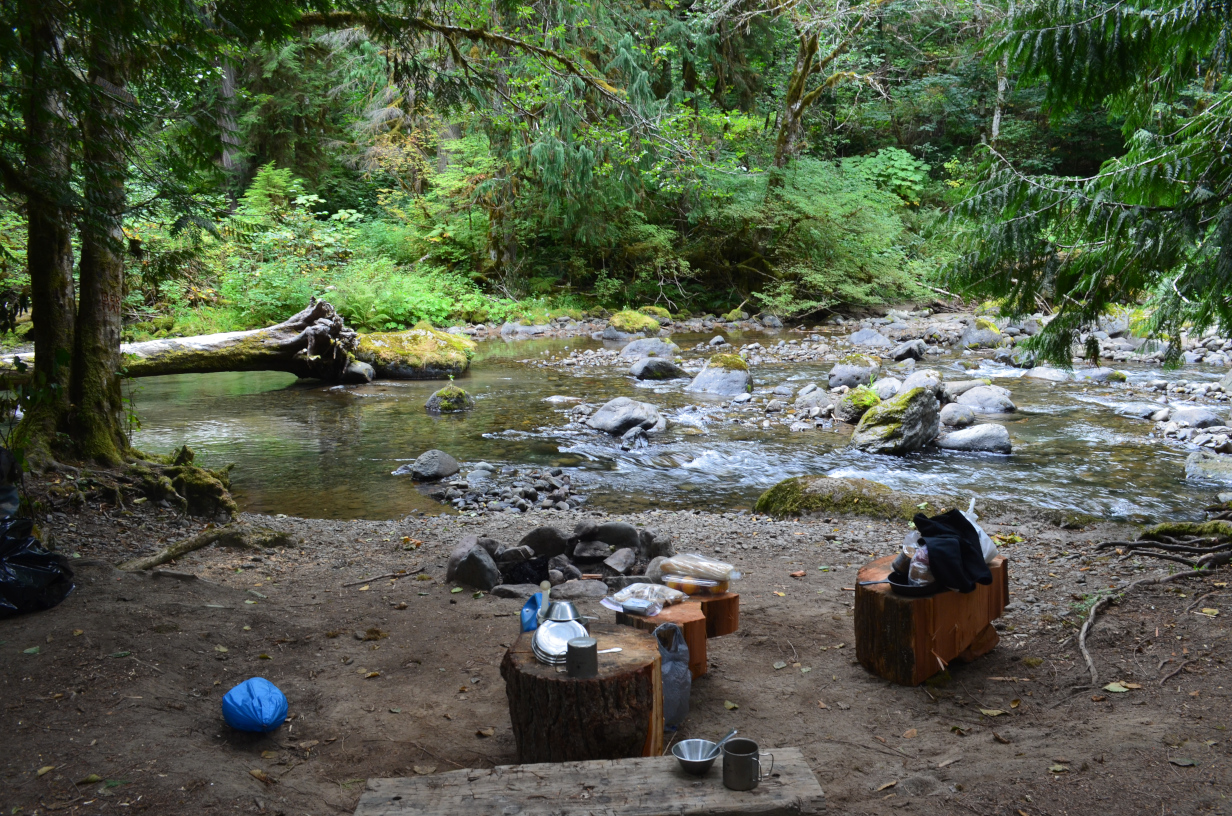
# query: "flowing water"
327,452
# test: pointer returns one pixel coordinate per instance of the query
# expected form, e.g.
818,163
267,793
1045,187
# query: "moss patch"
731,362
1177,529
657,312
734,315
1117,376
450,400
421,353
985,323
824,495
195,490
632,322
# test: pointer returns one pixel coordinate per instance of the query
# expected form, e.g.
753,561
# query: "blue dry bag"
254,705
530,612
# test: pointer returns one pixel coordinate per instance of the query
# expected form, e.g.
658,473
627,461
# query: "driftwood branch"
237,534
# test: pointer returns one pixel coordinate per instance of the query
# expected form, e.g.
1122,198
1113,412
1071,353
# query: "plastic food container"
695,586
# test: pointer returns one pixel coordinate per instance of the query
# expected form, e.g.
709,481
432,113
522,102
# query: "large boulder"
988,399
853,370
623,414
870,337
1205,465
1196,417
545,541
984,334
421,353
910,350
619,534
471,564
904,424
431,466
855,403
987,437
924,378
449,400
957,416
725,375
832,496
649,347
657,368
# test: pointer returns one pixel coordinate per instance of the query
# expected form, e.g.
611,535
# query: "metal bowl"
552,638
694,755
562,611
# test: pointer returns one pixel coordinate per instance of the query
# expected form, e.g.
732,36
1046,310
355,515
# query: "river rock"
1208,466
657,368
470,564
545,541
579,590
518,592
649,347
514,555
1099,375
956,388
621,561
924,378
1196,417
1022,358
421,353
1048,374
725,375
619,534
358,372
591,551
904,424
613,333
770,321
852,405
910,350
717,340
431,466
870,337
653,544
987,437
984,334
988,399
450,400
954,415
623,413
585,530
813,399
853,370
887,387
654,570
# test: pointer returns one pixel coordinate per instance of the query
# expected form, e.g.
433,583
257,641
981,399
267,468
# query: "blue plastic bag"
254,705
677,678
530,612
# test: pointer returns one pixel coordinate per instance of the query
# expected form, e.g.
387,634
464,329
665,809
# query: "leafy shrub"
893,169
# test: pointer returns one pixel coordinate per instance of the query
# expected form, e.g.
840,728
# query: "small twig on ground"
1203,598
148,665
1107,599
1175,672
394,575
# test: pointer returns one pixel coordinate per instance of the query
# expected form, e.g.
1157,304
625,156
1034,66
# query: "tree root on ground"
236,534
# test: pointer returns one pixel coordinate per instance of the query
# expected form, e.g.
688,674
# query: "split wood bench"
650,786
907,640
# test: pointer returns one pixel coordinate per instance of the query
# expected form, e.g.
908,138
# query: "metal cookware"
695,755
582,657
742,765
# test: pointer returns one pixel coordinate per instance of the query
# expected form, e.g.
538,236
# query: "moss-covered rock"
195,490
1182,529
824,495
735,315
987,325
632,322
725,375
731,362
657,312
450,400
855,403
853,370
421,353
900,425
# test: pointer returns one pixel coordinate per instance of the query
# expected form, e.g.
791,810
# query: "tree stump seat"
907,640
616,714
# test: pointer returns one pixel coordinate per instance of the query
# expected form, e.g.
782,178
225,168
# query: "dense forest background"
699,156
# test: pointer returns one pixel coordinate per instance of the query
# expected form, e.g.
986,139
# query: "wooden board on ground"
651,786
558,718
688,615
907,640
722,613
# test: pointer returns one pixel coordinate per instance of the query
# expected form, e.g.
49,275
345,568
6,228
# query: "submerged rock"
904,424
622,414
450,400
1204,465
725,375
853,370
421,353
655,368
988,437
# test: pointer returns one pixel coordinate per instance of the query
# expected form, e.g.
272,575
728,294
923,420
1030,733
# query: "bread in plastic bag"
695,586
656,593
693,565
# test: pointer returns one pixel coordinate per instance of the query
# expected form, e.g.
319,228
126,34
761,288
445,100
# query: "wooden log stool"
688,615
722,613
907,640
618,713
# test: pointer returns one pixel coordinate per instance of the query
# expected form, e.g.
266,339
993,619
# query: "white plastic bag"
655,593
919,573
694,565
987,545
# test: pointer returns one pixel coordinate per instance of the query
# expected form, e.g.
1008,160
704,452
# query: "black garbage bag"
31,578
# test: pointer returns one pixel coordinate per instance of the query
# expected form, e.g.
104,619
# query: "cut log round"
722,613
616,714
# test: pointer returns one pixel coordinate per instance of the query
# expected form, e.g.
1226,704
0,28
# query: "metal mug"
582,657
742,765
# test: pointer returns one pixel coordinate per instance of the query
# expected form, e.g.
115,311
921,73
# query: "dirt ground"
111,701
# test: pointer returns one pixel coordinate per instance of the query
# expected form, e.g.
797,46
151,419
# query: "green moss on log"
421,353
632,322
731,362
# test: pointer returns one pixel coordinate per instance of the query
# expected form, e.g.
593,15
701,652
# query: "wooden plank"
688,615
722,613
650,786
908,640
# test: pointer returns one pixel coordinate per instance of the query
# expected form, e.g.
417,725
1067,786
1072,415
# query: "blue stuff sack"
530,612
254,705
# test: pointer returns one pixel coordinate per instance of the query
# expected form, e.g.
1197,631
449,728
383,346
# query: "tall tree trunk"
49,249
795,102
1002,84
97,428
